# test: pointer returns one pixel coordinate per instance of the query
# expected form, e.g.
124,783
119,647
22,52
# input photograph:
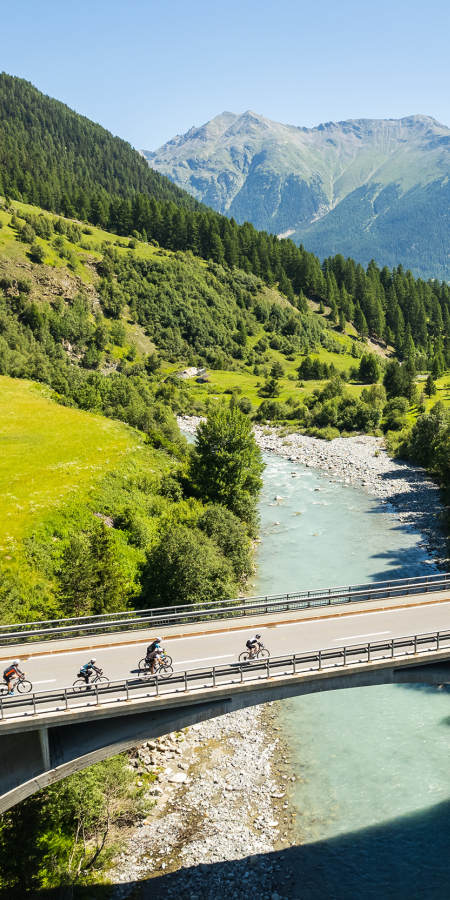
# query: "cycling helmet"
158,640
16,662
93,660
258,636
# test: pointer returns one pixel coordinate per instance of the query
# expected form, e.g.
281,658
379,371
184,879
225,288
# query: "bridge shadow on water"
407,858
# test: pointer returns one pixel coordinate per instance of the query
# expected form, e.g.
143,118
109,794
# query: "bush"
37,253
395,413
186,566
230,535
326,434
369,369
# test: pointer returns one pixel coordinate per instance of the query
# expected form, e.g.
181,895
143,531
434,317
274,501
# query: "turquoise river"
373,794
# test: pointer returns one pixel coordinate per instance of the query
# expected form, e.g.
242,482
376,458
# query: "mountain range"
366,188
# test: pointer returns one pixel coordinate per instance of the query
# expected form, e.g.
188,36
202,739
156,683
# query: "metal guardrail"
173,615
43,702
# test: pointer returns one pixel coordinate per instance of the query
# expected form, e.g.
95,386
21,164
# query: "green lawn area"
50,454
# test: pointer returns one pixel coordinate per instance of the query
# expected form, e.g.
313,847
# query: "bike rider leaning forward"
12,674
253,646
88,669
153,653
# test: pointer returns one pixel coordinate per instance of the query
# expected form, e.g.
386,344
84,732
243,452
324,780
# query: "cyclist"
155,645
253,646
12,674
88,669
153,657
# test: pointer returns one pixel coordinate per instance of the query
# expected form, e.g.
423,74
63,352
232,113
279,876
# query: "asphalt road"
196,652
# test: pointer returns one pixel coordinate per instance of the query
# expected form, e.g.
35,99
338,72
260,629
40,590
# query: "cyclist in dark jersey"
253,645
11,674
88,669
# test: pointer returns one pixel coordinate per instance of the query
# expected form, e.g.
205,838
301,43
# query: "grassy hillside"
50,456
189,310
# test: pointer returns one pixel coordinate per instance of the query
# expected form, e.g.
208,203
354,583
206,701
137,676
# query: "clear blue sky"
150,70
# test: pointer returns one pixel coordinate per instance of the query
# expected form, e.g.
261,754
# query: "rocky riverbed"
221,818
364,462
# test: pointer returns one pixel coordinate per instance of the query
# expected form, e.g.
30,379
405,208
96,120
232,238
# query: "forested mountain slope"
54,158
364,188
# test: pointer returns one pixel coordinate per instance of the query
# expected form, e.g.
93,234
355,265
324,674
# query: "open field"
50,454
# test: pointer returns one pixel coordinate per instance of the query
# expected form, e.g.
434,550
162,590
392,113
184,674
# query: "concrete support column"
45,748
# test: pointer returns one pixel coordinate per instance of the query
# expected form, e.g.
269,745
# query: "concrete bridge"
382,637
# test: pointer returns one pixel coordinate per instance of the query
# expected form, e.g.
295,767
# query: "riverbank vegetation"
63,836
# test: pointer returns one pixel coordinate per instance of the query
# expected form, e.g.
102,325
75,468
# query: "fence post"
185,680
368,652
345,656
242,673
293,664
128,689
214,676
392,648
66,698
157,685
268,667
437,641
320,660
415,643
96,692
34,704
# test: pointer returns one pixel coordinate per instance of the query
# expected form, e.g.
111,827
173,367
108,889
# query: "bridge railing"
132,689
132,620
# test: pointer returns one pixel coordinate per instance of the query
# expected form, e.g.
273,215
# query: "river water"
372,799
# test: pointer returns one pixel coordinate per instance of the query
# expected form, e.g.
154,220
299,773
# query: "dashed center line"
353,637
184,662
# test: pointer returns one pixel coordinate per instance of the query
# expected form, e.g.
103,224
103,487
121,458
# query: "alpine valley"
366,188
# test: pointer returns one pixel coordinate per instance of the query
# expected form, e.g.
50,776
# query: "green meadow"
50,455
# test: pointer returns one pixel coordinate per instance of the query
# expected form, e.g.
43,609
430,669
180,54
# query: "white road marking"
216,634
45,682
354,636
184,662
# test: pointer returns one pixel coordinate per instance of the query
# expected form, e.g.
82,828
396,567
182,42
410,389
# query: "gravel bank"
221,816
363,461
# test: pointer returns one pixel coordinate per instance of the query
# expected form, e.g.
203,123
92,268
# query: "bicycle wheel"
24,687
263,653
167,659
244,657
80,685
101,680
165,671
143,667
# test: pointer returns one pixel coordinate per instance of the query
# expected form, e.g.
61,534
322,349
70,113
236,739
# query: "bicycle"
163,668
22,684
81,685
144,665
262,653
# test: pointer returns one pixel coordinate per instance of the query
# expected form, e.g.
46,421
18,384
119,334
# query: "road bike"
165,661
261,653
81,685
163,668
22,685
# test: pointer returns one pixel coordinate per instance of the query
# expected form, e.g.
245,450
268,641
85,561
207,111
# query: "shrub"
186,566
37,253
